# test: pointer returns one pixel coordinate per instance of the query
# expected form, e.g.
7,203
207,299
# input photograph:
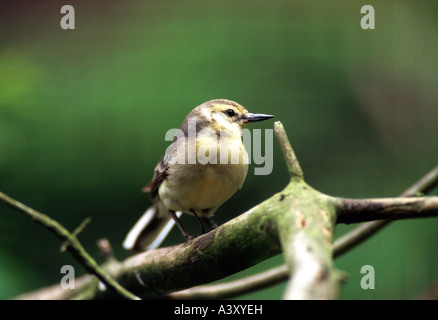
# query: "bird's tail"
150,230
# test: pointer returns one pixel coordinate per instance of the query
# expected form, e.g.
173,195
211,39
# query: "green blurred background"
83,114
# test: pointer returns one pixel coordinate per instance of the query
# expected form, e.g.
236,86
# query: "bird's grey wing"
160,173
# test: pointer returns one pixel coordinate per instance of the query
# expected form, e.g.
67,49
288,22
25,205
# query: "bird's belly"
205,191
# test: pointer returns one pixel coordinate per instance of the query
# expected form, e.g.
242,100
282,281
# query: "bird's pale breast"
203,187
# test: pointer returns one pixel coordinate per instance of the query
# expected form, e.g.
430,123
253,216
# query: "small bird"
202,168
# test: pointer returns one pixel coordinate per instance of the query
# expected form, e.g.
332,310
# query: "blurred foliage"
83,115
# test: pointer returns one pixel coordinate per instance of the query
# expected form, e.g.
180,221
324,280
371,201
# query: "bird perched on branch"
202,168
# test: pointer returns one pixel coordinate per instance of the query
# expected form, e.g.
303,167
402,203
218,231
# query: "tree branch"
368,229
293,166
236,245
424,185
360,210
71,243
56,292
281,273
234,288
299,221
306,228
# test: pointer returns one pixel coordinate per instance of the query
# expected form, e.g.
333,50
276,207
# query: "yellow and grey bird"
202,168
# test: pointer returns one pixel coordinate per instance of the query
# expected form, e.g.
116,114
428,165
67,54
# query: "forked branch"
298,221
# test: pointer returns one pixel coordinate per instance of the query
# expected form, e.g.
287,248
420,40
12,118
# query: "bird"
201,169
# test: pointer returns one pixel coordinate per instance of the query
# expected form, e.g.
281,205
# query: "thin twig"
105,250
293,166
75,233
234,288
424,185
74,246
148,263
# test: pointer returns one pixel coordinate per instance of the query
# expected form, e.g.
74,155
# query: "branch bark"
234,246
360,210
281,273
368,229
298,221
234,288
71,243
306,228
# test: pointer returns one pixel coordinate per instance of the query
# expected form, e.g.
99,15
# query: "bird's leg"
200,220
210,223
178,223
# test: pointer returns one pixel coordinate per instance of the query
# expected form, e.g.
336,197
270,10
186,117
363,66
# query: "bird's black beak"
254,117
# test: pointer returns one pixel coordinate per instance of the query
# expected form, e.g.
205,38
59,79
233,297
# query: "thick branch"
234,246
424,185
306,233
360,210
281,273
240,243
299,220
368,229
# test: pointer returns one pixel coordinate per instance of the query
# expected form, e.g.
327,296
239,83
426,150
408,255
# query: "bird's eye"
230,112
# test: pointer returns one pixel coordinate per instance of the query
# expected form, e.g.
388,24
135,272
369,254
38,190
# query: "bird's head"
222,114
